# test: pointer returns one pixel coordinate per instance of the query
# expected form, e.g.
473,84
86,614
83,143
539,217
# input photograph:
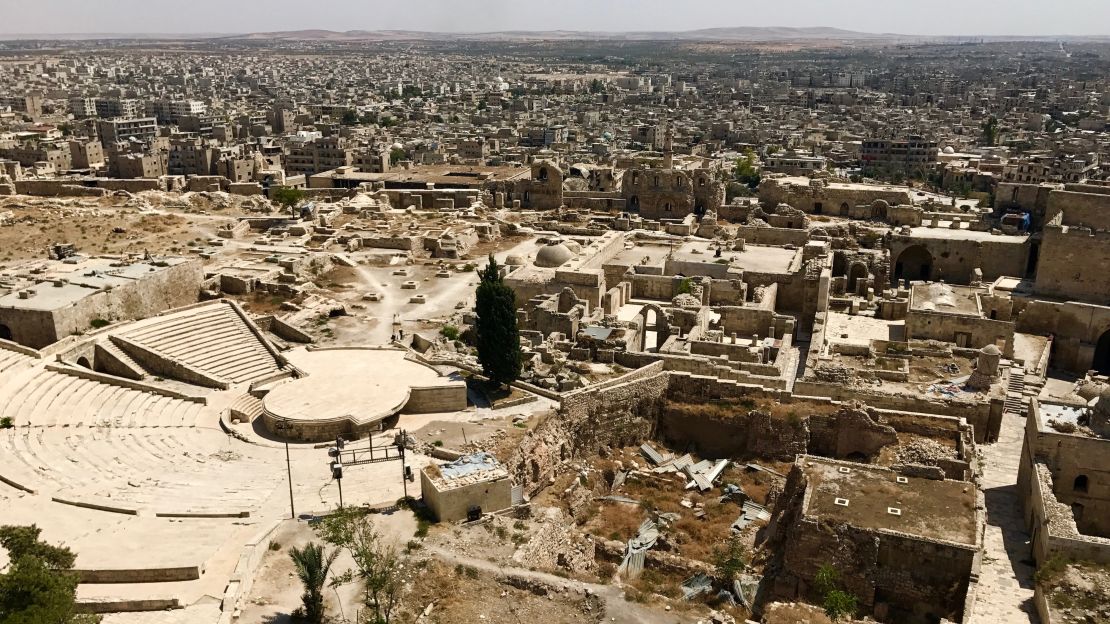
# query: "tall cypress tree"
498,339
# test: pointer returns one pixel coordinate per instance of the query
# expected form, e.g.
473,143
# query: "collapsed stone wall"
731,430
620,413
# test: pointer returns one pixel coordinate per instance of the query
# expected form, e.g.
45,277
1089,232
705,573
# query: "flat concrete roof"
933,509
945,232
754,257
69,283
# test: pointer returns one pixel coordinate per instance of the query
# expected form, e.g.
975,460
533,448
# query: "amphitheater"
141,447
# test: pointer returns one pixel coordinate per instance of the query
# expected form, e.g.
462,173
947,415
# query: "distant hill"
753,34
741,33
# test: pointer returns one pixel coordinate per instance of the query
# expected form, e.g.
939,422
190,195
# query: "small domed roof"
553,255
949,150
514,260
991,350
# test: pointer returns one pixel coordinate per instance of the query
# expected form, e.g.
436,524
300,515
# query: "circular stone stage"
350,392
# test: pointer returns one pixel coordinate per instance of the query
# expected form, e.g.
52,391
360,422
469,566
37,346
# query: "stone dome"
1089,390
1103,406
553,255
991,350
949,150
514,260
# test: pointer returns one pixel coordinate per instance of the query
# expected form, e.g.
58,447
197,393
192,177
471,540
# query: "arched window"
1080,484
543,174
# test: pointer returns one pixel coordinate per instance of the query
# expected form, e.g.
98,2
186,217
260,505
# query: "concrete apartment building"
317,156
912,153
114,130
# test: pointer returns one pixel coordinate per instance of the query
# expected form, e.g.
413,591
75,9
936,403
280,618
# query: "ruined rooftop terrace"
942,510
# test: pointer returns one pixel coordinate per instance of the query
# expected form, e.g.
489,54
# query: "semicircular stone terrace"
350,392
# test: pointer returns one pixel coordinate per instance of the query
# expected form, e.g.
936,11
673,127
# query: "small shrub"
840,604
450,332
97,323
275,546
437,443
6,422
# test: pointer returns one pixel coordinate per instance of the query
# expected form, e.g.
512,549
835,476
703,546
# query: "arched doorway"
855,274
83,362
5,332
914,263
844,209
634,203
655,330
1102,354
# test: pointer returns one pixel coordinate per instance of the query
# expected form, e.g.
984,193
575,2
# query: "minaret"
668,148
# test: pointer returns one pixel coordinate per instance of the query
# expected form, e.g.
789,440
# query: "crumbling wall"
619,413
733,430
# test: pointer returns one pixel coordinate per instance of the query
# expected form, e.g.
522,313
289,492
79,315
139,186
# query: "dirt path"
617,609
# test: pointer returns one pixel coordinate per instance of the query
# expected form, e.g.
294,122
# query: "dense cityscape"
723,326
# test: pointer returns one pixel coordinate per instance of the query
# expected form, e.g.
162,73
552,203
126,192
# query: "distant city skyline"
937,17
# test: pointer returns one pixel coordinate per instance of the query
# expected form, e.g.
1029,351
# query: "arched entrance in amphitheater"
5,332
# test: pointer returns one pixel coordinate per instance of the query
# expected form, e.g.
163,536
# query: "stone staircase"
1015,392
132,368
53,399
214,338
175,471
13,360
246,408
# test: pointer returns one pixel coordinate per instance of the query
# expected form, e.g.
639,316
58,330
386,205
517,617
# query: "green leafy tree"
729,559
396,155
350,117
596,86
378,565
746,172
990,131
38,584
312,564
497,337
287,196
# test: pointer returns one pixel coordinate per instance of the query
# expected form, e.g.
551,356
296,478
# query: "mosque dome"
553,255
949,150
514,260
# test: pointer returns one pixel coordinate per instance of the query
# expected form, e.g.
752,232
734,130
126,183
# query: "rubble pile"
923,451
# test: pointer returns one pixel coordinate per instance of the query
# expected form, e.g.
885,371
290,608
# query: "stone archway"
844,209
659,328
1101,362
914,263
5,332
634,203
84,362
857,272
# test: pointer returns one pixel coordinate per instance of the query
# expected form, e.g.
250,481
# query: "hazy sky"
926,17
